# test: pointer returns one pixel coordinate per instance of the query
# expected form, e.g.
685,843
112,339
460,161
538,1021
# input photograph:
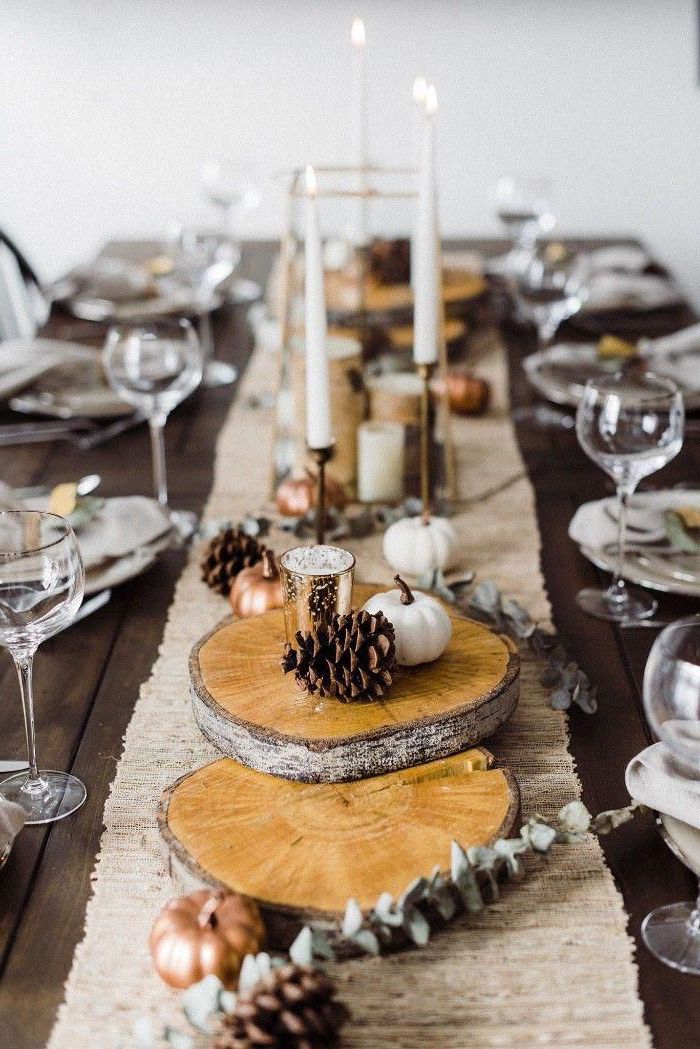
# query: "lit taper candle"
359,40
427,284
319,433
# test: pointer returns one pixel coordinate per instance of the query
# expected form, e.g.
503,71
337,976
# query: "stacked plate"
652,559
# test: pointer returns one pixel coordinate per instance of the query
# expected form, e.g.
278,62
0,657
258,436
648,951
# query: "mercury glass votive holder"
316,583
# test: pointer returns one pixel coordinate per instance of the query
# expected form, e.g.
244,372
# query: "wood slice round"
252,712
302,850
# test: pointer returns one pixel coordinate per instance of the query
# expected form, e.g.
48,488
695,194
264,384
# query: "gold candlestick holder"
425,371
321,456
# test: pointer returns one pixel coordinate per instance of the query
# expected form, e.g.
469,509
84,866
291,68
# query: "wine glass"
672,705
154,367
41,588
233,191
549,291
631,425
524,206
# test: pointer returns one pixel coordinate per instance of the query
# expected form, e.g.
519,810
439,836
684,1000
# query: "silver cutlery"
106,433
641,624
83,434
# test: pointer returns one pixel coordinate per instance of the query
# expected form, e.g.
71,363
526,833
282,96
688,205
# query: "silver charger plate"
560,373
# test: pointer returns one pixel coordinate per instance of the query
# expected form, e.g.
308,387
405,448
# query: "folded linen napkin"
610,290
595,524
657,779
625,258
120,527
12,819
682,341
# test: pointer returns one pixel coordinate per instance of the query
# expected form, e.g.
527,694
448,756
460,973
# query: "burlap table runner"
550,964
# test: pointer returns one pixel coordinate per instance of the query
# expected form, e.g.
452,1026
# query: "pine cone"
225,556
292,1008
353,658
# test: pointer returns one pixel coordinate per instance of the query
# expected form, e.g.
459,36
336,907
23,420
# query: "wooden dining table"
87,679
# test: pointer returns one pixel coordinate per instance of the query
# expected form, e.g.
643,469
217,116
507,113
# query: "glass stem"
694,918
24,665
617,590
160,480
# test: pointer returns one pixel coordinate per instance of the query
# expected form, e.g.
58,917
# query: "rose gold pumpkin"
202,933
467,394
297,495
257,589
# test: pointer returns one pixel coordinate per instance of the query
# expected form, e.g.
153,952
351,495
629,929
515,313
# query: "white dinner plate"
560,373
112,573
593,529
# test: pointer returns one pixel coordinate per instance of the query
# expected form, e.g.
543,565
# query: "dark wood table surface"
87,681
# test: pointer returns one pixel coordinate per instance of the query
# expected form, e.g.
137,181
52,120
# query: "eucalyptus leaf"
509,849
574,818
486,598
586,699
560,699
366,940
321,946
444,900
482,856
142,1033
518,618
387,912
607,821
415,892
678,535
302,950
417,927
178,1039
465,881
353,918
540,836
200,1002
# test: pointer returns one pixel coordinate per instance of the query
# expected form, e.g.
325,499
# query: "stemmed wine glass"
672,705
631,425
41,588
154,367
524,206
549,291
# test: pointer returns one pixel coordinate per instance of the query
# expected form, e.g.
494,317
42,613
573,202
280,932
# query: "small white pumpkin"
415,545
422,626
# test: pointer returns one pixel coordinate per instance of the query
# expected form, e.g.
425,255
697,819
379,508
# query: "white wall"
109,108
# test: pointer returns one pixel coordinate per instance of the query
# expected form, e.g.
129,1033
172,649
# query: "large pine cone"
226,555
353,658
292,1008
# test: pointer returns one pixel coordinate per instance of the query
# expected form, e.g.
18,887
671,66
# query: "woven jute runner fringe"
550,964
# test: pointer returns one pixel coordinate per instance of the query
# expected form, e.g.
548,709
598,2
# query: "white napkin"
625,258
680,341
640,291
12,819
120,527
658,780
595,524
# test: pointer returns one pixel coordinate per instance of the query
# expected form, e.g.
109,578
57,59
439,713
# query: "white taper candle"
427,283
319,432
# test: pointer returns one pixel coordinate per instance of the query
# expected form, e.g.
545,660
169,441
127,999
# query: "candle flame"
311,185
420,90
431,102
357,33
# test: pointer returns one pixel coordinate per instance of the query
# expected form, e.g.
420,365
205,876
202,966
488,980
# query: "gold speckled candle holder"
316,583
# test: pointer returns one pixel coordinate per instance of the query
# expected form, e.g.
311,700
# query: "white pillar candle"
380,462
319,432
360,115
427,281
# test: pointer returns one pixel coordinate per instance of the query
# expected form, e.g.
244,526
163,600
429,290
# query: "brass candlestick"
321,456
425,371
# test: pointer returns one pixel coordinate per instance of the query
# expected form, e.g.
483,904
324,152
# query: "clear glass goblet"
549,291
154,367
672,706
631,425
524,205
41,588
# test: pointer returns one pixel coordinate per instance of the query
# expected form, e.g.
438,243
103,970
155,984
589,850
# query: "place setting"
384,542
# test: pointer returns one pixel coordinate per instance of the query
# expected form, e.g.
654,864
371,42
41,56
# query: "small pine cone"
292,1008
352,658
226,555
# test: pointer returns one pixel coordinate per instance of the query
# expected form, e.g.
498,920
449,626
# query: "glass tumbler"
316,583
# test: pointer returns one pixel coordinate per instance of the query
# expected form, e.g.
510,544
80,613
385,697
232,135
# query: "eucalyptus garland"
472,884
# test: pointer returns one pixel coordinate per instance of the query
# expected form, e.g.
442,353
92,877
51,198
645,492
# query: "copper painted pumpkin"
297,495
467,394
205,932
257,589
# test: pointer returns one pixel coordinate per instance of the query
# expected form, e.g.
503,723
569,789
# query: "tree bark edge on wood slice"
254,715
221,825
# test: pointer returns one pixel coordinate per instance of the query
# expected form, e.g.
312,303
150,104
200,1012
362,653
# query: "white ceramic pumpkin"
422,626
415,545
